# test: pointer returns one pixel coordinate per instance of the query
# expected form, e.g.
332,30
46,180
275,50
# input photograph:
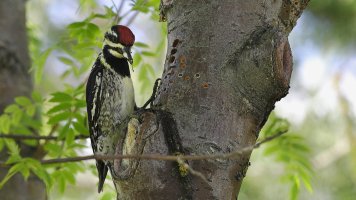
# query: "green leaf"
151,70
61,183
69,176
140,5
109,13
44,176
16,117
5,124
294,191
60,107
137,59
12,147
307,184
292,151
60,97
24,130
36,167
108,196
80,103
141,45
66,74
13,158
12,108
23,101
25,171
69,137
76,25
66,61
80,90
94,29
53,149
64,130
36,96
12,171
147,53
59,117
143,72
30,110
40,63
35,124
80,128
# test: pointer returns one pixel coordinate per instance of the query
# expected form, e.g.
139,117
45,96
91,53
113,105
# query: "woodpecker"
110,95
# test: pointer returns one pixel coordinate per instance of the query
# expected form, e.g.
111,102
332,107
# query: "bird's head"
120,39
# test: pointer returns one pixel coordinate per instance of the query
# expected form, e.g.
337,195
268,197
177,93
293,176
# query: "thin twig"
192,171
129,22
121,6
36,137
118,11
232,155
267,139
133,17
113,3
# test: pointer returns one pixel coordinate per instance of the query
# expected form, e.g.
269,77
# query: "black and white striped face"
119,40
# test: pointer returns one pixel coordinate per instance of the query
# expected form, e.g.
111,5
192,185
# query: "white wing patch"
97,87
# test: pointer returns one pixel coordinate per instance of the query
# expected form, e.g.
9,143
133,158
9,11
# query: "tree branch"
178,158
36,137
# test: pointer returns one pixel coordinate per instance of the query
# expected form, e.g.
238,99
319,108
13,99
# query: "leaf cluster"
292,152
62,113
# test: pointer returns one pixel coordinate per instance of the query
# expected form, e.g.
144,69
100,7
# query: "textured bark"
15,81
228,62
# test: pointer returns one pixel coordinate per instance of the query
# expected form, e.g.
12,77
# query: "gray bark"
228,62
15,81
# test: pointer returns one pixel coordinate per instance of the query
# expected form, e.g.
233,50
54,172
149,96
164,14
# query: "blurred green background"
320,106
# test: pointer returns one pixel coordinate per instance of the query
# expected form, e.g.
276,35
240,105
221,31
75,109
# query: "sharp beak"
127,50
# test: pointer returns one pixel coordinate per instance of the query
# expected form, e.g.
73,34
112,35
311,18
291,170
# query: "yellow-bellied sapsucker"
110,95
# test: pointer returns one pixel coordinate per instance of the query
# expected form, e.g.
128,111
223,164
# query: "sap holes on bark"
182,65
182,61
205,85
173,51
197,75
175,43
180,75
186,78
172,59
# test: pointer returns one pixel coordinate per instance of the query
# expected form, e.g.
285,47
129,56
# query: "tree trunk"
15,81
228,62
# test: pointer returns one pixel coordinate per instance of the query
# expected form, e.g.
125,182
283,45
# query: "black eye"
113,38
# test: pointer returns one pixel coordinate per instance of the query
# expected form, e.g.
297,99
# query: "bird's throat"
119,65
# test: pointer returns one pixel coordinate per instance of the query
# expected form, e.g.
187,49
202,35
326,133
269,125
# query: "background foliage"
63,50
